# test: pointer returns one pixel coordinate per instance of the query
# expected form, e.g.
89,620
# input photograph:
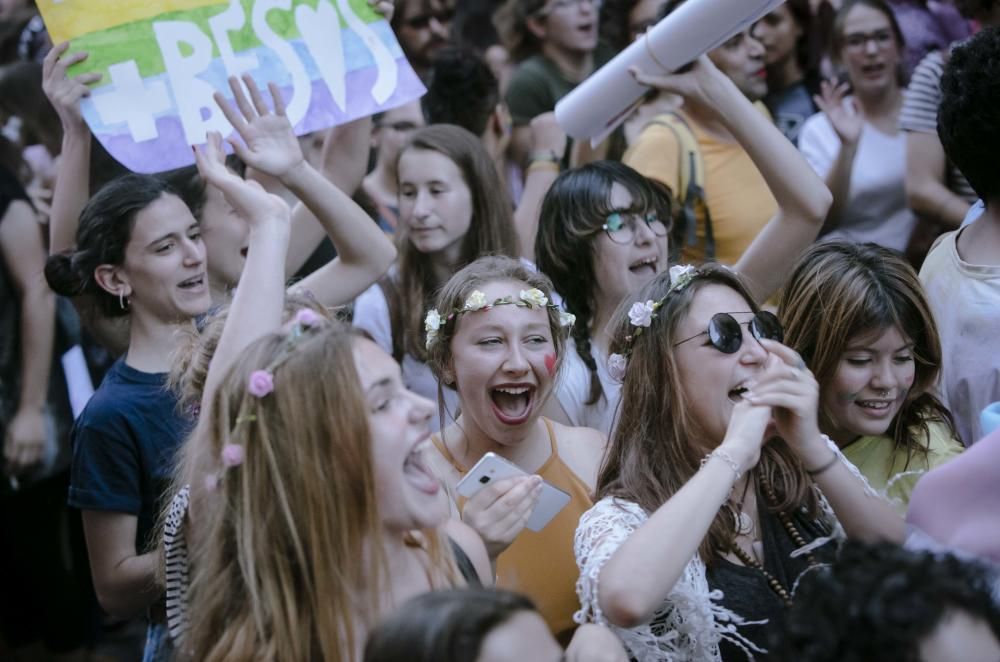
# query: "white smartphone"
491,468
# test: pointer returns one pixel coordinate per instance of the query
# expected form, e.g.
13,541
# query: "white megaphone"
606,98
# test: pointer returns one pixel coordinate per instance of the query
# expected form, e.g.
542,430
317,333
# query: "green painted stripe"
137,41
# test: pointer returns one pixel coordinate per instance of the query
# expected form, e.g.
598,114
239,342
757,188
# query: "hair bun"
61,276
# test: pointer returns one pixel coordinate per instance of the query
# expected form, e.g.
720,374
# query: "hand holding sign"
64,92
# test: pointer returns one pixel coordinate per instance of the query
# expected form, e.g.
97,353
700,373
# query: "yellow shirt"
737,196
882,463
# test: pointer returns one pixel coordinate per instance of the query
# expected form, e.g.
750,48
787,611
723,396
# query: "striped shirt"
920,114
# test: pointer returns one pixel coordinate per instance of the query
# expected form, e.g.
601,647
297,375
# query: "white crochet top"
691,621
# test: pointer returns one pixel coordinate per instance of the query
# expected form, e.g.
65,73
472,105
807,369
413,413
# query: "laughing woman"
498,341
718,491
874,349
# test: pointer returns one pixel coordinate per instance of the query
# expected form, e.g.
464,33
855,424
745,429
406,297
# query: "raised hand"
499,512
787,386
269,143
547,135
248,199
844,116
63,92
701,81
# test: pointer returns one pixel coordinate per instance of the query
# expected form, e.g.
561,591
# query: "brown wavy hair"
288,559
491,231
657,445
840,290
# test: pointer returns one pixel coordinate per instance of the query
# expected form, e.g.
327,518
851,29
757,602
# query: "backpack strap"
690,191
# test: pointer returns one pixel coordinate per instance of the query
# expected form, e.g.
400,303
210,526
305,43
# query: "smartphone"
491,468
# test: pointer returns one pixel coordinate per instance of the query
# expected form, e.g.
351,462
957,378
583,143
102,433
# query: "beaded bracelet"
549,166
816,472
725,457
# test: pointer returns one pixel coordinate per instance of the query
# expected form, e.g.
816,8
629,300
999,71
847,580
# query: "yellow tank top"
541,564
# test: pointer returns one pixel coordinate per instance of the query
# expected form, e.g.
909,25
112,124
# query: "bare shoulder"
582,449
465,537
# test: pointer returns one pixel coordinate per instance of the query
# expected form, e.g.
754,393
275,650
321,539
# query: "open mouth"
417,473
736,394
512,404
872,69
644,267
192,283
875,406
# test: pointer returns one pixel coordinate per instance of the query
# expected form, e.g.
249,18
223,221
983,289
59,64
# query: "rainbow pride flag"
333,60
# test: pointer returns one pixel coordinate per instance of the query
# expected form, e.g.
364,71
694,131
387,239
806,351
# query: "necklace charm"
744,524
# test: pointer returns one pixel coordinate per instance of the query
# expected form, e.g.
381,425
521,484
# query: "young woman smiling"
874,349
498,341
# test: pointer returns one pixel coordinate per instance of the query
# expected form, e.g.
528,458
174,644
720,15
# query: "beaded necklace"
793,533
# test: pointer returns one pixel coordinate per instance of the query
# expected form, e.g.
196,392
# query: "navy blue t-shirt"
124,447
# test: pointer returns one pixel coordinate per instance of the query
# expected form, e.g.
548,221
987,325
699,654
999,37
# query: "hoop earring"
122,301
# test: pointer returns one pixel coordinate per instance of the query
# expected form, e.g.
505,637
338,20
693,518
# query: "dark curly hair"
969,114
461,90
879,602
975,9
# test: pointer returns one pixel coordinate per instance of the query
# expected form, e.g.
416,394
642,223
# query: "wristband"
818,471
547,155
543,165
725,457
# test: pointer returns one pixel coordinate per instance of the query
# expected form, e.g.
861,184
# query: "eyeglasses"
563,5
421,21
621,225
725,334
857,42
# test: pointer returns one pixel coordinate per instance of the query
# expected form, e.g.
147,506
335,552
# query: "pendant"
744,524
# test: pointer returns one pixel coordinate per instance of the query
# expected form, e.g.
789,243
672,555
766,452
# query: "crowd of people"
310,399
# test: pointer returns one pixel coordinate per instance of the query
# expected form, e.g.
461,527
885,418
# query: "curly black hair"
461,90
879,602
969,114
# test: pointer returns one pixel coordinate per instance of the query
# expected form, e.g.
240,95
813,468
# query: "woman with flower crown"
497,339
718,491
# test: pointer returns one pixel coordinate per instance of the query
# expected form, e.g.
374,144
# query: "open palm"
845,116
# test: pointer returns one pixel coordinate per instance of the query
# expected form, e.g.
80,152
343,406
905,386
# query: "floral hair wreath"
533,298
260,385
642,314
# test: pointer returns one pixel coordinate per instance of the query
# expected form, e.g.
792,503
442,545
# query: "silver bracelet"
725,457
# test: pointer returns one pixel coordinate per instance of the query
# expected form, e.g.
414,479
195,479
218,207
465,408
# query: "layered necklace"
743,525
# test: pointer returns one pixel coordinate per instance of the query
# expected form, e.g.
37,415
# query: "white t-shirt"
876,209
371,313
965,300
573,390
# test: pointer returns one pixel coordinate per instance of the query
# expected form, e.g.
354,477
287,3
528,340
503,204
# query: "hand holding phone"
503,499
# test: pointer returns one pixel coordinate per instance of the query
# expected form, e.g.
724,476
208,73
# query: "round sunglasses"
725,334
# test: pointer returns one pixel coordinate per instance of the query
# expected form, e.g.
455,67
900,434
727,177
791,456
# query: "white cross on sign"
132,100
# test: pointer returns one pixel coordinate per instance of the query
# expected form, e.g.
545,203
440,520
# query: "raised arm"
548,148
644,569
259,300
269,145
803,199
847,123
72,188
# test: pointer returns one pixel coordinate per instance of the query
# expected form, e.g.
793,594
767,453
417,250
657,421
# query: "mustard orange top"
541,564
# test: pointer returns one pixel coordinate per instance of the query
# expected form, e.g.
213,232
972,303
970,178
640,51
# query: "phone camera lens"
484,479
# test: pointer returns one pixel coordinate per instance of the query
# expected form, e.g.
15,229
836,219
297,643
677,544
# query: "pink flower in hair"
307,317
232,455
261,383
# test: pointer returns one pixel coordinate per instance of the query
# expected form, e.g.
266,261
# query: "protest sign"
161,60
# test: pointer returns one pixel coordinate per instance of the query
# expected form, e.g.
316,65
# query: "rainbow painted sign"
334,61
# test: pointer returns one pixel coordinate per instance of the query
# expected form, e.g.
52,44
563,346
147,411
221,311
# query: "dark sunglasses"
725,334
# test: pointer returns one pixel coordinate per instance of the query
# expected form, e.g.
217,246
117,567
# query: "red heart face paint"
550,364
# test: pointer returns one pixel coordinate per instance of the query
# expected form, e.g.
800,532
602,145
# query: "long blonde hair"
288,559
